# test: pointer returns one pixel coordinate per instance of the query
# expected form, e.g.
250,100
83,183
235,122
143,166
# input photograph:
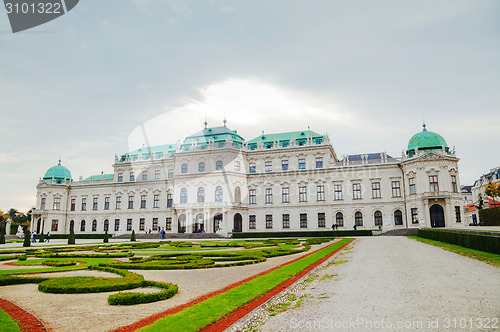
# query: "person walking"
48,237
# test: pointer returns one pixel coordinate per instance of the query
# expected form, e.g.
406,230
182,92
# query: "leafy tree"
493,190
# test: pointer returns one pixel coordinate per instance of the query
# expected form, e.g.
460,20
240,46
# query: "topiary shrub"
27,239
132,237
41,238
2,235
130,298
106,237
22,257
71,238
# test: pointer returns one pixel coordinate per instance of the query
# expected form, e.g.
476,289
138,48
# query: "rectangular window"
252,196
73,204
157,174
321,220
285,195
170,200
131,202
42,203
170,173
120,177
302,163
143,201
251,222
95,203
303,220
396,189
129,225
284,165
269,166
168,224
414,215
286,221
413,187
57,203
433,182
252,167
118,202
269,221
337,192
319,162
142,222
84,204
376,190
106,203
155,224
132,176
156,201
457,214
117,225
269,195
356,191
144,175
302,194
454,186
55,224
321,193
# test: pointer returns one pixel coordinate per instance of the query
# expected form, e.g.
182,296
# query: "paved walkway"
397,284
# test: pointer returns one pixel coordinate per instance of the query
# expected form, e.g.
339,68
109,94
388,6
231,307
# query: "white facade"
225,185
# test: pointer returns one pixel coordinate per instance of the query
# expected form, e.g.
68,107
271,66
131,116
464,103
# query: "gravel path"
91,312
391,284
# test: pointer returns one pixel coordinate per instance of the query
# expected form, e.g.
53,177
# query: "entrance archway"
181,224
238,223
38,225
72,225
199,223
437,216
217,221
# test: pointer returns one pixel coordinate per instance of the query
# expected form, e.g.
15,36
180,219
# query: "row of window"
153,225
268,164
339,219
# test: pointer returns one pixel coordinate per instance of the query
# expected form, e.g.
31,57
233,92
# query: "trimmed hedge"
12,280
10,257
59,263
79,236
243,235
107,255
468,240
130,298
490,217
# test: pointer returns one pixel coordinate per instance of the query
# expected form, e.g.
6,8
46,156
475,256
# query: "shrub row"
9,257
130,298
468,240
490,217
12,280
107,255
59,263
243,235
79,236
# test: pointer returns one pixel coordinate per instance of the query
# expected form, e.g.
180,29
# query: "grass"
7,324
209,311
486,257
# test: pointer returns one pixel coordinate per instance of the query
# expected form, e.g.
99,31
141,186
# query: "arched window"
106,225
398,217
184,195
94,225
237,195
201,195
82,226
378,218
218,194
358,219
201,167
339,219
72,225
184,168
218,165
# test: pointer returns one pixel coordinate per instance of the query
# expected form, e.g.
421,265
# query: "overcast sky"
365,72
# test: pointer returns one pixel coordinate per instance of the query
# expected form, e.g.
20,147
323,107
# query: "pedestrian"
355,227
34,237
333,227
48,236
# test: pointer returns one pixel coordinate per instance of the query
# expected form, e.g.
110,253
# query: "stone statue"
20,233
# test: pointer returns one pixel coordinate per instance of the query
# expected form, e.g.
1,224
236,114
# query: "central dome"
426,141
58,174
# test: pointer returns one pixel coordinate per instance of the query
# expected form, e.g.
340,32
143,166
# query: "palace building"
216,181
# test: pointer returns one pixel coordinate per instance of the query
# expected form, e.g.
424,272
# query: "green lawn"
7,324
209,311
486,257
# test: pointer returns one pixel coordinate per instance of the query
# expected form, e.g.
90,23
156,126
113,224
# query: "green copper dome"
58,174
426,141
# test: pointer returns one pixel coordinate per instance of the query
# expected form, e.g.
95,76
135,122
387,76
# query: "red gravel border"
239,313
26,321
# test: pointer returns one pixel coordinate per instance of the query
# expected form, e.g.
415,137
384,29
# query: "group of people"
335,227
161,231
33,237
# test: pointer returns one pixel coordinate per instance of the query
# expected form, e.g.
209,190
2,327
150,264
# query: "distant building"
215,181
